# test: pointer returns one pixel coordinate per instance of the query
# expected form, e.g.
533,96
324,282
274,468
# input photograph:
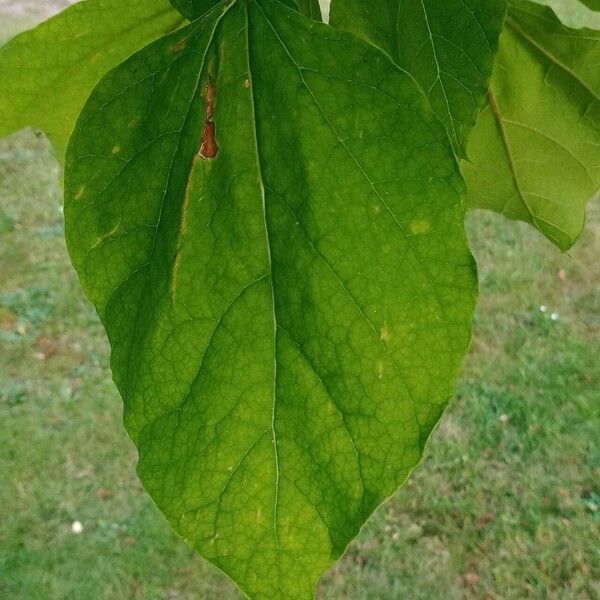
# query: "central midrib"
272,290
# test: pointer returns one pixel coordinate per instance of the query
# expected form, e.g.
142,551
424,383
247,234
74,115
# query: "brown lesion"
208,145
208,150
179,46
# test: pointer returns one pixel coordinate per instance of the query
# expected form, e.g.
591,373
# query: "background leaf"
535,153
575,13
193,9
310,8
593,4
47,73
447,46
267,216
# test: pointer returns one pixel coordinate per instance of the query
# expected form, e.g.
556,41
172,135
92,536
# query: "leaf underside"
47,73
535,153
267,216
447,46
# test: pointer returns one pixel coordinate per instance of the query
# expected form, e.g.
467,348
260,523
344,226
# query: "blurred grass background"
506,504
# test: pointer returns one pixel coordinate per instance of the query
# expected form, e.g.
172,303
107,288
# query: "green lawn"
506,504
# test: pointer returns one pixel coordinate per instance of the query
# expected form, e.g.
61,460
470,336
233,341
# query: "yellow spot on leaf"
79,193
384,333
174,274
107,235
420,227
116,149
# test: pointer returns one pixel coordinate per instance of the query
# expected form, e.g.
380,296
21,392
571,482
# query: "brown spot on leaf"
208,145
178,47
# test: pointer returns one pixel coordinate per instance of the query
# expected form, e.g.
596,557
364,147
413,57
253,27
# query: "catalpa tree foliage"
268,214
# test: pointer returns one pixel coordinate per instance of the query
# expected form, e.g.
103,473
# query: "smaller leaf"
47,73
535,153
575,13
448,47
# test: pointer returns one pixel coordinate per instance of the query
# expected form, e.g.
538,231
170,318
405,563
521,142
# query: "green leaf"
593,4
267,216
574,13
535,153
47,73
310,8
193,9
447,46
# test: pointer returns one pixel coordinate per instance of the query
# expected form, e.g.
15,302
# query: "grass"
504,506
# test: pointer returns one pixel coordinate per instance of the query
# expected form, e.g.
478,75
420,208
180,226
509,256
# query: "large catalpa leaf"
47,73
447,46
267,216
535,153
